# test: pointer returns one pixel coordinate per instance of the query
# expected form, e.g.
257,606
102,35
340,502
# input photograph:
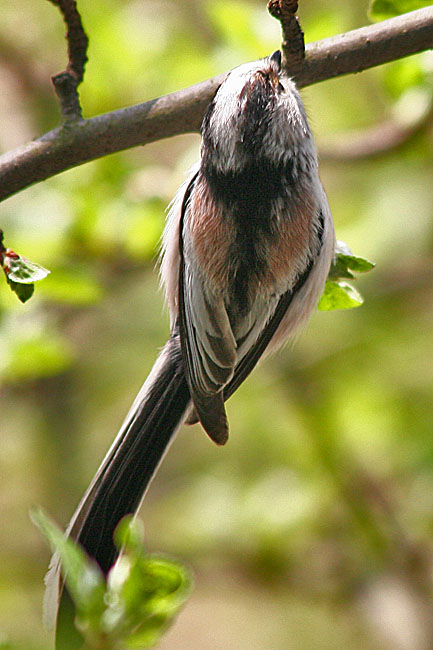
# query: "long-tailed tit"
247,249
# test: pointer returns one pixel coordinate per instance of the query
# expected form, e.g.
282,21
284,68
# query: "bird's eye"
281,87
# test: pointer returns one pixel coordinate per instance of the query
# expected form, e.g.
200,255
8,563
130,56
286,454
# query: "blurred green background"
313,527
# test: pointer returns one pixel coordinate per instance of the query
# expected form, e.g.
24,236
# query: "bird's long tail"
126,472
128,468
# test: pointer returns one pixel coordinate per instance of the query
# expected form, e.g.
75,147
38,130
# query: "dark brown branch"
66,83
182,112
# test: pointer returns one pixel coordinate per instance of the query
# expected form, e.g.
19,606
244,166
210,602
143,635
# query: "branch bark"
181,112
66,83
293,44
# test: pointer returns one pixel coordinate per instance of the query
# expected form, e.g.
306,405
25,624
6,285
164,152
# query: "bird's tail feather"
129,466
128,469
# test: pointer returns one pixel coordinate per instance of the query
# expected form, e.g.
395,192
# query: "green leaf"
135,605
145,598
22,270
345,266
339,295
144,591
84,579
382,9
129,534
346,263
147,636
21,273
23,291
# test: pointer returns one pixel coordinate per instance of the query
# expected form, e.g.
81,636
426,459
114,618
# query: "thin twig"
293,45
66,83
182,112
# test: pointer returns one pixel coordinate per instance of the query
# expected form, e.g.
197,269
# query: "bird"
246,251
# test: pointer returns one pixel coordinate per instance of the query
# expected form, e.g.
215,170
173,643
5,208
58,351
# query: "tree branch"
66,83
368,47
75,143
293,45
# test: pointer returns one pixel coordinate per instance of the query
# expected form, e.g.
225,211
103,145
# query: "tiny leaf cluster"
339,294
21,273
130,608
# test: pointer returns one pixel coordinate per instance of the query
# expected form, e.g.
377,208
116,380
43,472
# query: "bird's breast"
251,233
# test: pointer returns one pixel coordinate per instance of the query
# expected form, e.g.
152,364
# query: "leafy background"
313,527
